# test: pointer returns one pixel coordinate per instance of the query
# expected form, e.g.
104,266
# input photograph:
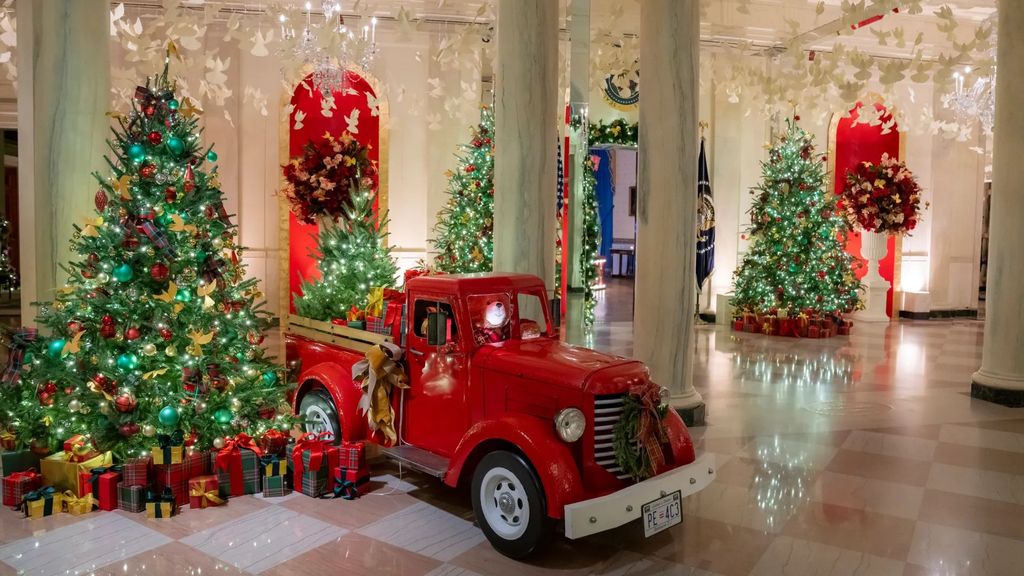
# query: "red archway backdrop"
353,113
849,145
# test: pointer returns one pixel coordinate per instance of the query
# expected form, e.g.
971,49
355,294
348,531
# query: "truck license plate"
662,513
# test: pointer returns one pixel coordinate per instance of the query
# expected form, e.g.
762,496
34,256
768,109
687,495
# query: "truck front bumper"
615,509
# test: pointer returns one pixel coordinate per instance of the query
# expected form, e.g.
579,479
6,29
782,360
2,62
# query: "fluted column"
1001,377
63,93
667,203
525,113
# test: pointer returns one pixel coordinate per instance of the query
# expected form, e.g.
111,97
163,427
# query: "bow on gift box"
229,459
318,445
45,494
79,448
209,497
274,466
650,431
346,489
378,373
17,342
355,314
72,504
167,443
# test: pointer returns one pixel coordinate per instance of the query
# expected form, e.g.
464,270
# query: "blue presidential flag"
705,220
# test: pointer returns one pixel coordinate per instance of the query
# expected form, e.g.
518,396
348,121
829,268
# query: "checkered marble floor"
859,455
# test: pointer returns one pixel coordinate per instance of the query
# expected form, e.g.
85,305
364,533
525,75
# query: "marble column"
63,93
667,199
579,97
525,116
1001,377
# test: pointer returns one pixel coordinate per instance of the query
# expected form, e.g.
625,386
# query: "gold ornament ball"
200,407
105,408
74,405
149,349
218,443
236,404
149,430
171,350
217,243
158,210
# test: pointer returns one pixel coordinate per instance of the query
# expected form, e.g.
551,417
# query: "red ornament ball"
166,334
155,138
50,388
148,171
125,403
821,274
255,338
129,429
170,194
101,199
159,272
108,331
267,412
45,399
132,333
107,320
149,110
74,327
130,241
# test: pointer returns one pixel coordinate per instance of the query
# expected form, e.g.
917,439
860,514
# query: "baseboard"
1004,397
959,313
707,317
915,315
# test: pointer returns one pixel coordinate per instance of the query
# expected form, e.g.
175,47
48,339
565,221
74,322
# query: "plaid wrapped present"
18,341
18,484
74,505
175,477
350,484
18,461
102,485
170,450
313,457
353,455
238,466
135,472
63,474
131,498
273,443
274,486
42,502
203,492
274,466
162,506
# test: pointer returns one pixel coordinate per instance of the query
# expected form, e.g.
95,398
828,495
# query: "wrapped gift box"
274,443
175,477
63,474
275,486
274,466
75,505
737,325
18,461
350,483
353,455
237,466
813,331
169,451
163,506
79,448
313,458
42,502
102,483
18,484
135,472
8,441
203,492
131,498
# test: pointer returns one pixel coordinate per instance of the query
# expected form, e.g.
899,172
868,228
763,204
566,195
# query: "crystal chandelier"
974,102
327,47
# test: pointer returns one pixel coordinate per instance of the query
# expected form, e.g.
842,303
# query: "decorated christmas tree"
464,234
8,275
796,262
590,243
354,257
156,329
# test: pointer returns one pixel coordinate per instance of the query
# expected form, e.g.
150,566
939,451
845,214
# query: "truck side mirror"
437,328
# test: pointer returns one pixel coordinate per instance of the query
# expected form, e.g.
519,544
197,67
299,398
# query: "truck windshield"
532,322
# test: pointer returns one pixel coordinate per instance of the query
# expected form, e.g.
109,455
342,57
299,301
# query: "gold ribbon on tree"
378,374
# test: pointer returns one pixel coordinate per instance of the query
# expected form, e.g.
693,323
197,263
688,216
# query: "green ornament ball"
123,272
223,416
793,268
27,359
183,295
136,152
168,416
269,378
211,156
164,218
172,104
175,145
128,361
56,347
201,256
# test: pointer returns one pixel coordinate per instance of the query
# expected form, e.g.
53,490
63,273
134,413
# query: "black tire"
320,415
514,490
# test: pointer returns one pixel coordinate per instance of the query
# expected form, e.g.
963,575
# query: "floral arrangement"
618,131
321,181
883,197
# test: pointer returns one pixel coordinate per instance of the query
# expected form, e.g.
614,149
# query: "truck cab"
498,402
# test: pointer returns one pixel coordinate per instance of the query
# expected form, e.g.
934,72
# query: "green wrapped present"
274,486
17,461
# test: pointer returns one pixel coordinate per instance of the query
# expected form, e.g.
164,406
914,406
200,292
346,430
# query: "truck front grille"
607,411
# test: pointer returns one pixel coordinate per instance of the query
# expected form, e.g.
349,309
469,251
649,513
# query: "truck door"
436,412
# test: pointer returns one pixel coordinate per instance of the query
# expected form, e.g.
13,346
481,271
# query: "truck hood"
550,360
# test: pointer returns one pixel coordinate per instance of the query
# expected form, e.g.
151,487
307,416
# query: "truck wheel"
317,409
509,504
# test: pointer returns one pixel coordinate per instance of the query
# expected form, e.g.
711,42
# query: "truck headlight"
570,424
665,396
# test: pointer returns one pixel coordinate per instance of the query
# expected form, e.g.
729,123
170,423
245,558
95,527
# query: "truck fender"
536,440
338,383
679,439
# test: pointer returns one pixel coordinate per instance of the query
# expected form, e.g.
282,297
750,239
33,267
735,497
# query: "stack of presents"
382,315
804,325
79,479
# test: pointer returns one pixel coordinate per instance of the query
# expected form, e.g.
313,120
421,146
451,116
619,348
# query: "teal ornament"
201,256
123,272
136,153
56,347
269,378
27,358
223,416
175,145
128,361
164,218
211,156
183,295
793,268
172,104
168,416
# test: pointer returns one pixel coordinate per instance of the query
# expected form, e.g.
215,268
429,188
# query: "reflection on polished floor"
853,455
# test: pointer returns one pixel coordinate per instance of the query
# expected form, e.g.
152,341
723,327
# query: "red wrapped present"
176,476
203,492
787,327
353,455
826,332
273,443
313,455
238,466
79,448
135,472
350,483
737,325
813,331
339,322
102,484
18,484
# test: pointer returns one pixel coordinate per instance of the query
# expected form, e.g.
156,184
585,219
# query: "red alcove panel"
302,263
864,143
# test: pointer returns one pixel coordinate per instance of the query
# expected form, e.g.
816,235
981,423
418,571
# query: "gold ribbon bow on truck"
378,374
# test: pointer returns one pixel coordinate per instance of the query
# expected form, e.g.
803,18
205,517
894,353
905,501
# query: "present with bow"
845,327
375,302
312,460
18,461
79,448
273,465
378,374
63,474
17,484
102,483
737,324
273,443
355,318
275,486
135,471
204,491
8,441
42,502
17,344
237,466
176,476
353,455
131,498
162,506
76,505
170,449
349,483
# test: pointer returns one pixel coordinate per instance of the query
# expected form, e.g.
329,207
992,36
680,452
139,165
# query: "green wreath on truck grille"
640,457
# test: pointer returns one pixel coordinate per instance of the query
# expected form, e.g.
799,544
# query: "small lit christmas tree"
464,234
354,257
796,262
8,275
156,329
590,243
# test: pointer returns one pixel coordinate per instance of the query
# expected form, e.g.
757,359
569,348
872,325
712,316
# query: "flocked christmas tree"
156,329
354,257
464,234
796,262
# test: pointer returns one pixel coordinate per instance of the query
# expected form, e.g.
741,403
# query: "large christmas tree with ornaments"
156,330
796,262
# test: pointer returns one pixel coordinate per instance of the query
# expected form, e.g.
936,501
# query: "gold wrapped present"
41,503
64,475
74,505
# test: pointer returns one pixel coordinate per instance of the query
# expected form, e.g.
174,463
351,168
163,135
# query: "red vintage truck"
527,421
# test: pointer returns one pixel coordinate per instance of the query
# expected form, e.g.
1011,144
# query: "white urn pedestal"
873,247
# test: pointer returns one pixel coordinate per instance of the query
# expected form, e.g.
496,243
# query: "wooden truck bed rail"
328,333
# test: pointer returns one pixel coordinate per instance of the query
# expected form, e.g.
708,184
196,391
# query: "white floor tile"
890,445
792,557
426,530
944,550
